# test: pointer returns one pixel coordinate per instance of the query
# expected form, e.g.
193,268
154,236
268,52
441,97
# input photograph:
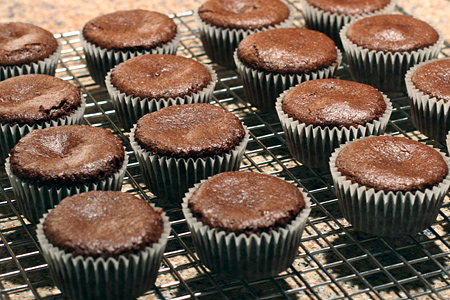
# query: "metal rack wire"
334,260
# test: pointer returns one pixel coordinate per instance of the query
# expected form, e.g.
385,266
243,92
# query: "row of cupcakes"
110,244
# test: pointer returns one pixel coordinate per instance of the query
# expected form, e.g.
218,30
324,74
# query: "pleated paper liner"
88,278
249,257
387,213
46,66
429,114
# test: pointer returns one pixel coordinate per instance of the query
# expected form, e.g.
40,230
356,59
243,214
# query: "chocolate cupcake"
103,245
36,101
50,164
272,61
428,86
388,185
319,115
149,82
27,49
329,16
380,49
179,145
222,24
113,38
246,225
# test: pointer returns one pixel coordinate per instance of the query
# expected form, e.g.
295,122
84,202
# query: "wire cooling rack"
334,261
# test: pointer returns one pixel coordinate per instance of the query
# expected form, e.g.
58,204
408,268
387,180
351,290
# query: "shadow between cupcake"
380,256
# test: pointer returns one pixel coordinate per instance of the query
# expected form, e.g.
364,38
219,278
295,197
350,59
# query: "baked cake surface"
130,30
66,155
23,43
103,224
390,163
189,130
33,98
246,202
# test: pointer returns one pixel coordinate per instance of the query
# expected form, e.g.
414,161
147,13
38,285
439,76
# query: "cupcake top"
433,79
160,76
349,7
23,43
243,14
29,99
103,224
334,103
287,51
388,163
246,202
66,155
189,130
130,30
392,33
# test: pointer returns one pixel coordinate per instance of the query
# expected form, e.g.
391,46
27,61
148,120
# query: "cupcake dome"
27,49
103,245
390,186
246,225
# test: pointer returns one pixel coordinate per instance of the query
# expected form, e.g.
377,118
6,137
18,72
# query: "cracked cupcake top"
287,51
23,43
390,163
433,79
243,14
29,99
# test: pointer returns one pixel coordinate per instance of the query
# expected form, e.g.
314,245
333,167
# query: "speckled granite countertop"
71,15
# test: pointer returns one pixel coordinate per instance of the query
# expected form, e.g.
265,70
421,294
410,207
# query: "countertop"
65,16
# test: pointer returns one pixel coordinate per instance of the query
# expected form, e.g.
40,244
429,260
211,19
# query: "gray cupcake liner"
100,60
220,43
262,88
35,199
169,178
387,213
385,71
46,66
125,277
249,257
130,109
430,115
10,134
331,23
313,145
